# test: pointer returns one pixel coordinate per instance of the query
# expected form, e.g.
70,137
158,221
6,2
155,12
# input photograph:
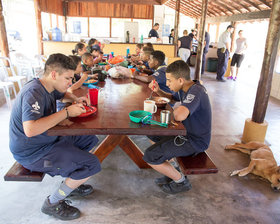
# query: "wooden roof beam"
223,6
244,6
253,4
187,9
234,7
142,2
191,8
219,8
183,12
193,4
265,3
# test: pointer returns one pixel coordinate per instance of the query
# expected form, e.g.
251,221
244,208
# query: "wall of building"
275,88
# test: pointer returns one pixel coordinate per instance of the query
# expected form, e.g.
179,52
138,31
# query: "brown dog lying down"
262,162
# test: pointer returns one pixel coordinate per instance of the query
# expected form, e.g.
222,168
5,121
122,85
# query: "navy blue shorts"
70,157
166,148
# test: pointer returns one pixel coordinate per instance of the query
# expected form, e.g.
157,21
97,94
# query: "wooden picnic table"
117,98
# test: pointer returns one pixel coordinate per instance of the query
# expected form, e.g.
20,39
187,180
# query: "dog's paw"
234,173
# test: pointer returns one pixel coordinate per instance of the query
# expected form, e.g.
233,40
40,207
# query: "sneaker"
230,77
174,188
163,180
234,79
61,210
82,190
221,80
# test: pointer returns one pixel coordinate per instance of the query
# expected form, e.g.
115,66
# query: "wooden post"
176,25
264,87
88,27
65,12
201,39
39,27
233,36
4,47
217,32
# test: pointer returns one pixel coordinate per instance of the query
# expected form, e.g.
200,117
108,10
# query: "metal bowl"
161,101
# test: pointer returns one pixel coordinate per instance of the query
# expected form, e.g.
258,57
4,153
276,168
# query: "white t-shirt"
224,39
241,45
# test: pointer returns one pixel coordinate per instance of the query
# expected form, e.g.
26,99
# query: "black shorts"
237,59
166,148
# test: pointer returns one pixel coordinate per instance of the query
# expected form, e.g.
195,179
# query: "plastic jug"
56,34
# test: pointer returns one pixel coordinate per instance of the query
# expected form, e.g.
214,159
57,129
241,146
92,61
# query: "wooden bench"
199,164
19,173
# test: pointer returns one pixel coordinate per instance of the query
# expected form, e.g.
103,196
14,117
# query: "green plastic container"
212,64
137,115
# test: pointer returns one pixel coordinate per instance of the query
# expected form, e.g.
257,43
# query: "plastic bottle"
56,34
127,36
141,40
133,40
127,51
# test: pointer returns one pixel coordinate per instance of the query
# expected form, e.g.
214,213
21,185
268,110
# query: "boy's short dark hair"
147,50
159,56
76,59
156,24
179,69
59,63
139,46
91,41
85,56
149,45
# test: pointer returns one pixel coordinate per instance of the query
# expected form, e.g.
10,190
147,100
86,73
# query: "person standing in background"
184,45
241,46
205,51
223,53
171,37
153,32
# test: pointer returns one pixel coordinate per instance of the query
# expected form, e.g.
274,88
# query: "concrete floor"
126,194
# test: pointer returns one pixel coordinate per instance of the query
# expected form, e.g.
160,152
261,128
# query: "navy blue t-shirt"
198,123
153,33
32,103
160,76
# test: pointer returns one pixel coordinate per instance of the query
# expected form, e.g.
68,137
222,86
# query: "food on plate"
91,81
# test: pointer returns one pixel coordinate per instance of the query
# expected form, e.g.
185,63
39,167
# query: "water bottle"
56,34
127,36
141,40
127,51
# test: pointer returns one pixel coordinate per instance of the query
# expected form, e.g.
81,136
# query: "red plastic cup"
93,96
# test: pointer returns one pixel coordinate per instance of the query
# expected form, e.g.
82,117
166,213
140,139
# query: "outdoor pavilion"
203,11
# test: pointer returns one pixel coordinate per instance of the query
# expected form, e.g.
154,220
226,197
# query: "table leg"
126,144
132,150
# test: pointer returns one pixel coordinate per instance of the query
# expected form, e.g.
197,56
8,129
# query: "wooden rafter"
234,7
196,9
142,2
198,6
244,6
190,12
219,8
265,2
253,4
222,5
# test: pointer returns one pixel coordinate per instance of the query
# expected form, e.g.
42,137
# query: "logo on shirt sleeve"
189,98
156,74
36,107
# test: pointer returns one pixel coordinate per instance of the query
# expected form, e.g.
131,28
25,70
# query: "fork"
151,96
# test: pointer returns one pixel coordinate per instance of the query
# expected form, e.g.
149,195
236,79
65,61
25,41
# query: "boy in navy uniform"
193,109
33,114
156,62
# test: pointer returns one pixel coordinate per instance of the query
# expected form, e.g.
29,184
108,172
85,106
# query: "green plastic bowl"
137,115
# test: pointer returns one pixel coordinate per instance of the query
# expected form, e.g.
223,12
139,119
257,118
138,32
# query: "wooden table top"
116,100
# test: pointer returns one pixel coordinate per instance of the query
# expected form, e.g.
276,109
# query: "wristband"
67,113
